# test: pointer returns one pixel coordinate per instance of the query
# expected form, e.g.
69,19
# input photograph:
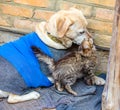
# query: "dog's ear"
62,25
58,25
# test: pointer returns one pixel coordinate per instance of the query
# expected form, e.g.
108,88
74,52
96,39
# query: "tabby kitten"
68,69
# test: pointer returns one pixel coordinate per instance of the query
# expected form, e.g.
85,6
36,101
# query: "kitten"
68,69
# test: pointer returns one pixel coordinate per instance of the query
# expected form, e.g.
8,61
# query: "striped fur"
68,69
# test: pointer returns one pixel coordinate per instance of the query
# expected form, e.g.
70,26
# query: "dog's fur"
68,69
65,26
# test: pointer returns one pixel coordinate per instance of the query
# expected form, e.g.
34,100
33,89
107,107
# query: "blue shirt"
21,56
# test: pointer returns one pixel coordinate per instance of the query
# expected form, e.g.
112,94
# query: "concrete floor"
8,36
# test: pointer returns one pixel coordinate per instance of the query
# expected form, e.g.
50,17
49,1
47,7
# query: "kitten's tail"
43,57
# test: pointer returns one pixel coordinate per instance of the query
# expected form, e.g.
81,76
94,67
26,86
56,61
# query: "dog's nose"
82,32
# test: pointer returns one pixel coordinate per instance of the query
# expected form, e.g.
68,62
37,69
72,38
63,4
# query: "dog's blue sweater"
21,56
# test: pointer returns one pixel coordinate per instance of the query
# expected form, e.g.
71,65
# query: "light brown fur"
67,26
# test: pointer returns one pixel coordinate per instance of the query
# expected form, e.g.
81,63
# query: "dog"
59,32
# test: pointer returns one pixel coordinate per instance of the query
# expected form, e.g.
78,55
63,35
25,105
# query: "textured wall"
24,14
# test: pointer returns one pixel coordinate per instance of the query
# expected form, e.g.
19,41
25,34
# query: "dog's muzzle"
78,40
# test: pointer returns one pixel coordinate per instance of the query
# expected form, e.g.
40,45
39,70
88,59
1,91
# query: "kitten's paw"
60,89
75,93
99,81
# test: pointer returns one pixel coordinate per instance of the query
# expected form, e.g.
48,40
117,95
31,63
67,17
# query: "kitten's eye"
82,32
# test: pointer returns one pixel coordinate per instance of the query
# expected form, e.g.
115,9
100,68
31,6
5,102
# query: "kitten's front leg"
69,89
89,80
58,86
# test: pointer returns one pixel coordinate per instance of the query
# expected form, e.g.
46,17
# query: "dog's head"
68,23
65,26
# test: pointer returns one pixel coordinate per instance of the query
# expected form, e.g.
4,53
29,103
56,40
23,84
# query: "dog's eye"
82,32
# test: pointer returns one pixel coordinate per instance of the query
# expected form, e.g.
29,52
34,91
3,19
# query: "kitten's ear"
80,48
91,41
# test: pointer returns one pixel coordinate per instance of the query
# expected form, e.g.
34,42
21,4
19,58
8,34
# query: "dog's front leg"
4,94
16,98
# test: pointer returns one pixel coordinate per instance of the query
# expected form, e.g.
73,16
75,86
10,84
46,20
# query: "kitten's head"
87,47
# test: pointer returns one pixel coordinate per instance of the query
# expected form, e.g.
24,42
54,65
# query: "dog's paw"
34,95
99,81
